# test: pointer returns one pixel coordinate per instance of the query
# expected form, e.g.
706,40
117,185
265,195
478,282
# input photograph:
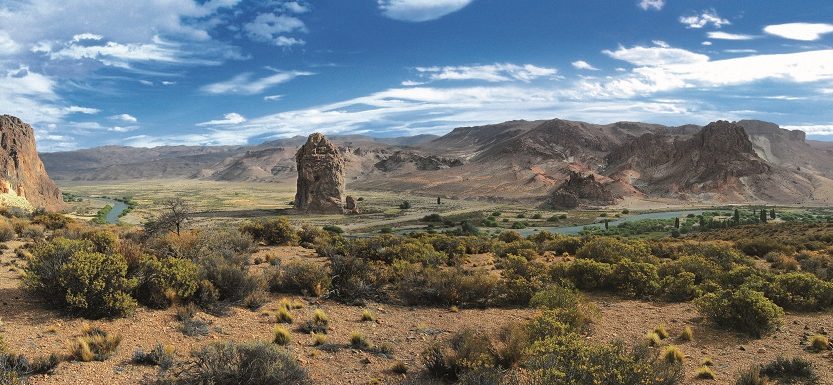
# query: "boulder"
22,175
351,205
320,177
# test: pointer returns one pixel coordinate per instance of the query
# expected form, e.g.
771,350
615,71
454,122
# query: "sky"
87,73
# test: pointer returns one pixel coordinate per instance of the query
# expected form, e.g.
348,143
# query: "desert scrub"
613,250
301,277
189,324
801,291
94,344
783,371
358,341
229,363
661,331
271,231
652,339
161,355
167,280
319,339
70,274
585,274
744,310
282,336
15,369
7,232
635,279
256,300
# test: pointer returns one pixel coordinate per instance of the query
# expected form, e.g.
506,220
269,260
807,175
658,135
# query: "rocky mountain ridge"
23,179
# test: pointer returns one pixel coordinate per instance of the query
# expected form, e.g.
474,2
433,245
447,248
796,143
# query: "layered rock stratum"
320,177
23,179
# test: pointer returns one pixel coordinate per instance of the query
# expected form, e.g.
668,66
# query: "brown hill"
22,174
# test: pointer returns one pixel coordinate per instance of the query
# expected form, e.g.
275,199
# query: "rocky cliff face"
22,174
320,177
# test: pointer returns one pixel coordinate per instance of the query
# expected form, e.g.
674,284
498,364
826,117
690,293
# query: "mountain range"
743,161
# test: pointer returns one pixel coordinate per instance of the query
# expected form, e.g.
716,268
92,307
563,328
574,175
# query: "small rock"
761,350
742,348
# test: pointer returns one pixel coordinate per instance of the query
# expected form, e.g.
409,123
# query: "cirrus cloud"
420,10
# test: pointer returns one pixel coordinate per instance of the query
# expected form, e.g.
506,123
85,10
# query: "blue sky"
93,72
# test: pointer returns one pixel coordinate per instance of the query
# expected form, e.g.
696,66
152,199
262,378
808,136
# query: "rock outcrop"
351,205
579,190
320,177
21,171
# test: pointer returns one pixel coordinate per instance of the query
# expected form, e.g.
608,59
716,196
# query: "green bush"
272,231
69,274
783,370
801,291
612,250
759,247
302,277
585,274
561,245
163,281
229,363
744,310
635,279
680,287
231,280
465,351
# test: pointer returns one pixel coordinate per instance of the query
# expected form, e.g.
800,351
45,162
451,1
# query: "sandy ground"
32,329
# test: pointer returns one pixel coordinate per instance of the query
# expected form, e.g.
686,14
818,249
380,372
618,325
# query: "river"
115,213
612,223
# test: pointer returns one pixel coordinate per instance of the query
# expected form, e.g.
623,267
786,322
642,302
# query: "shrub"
32,231
189,324
52,221
432,218
272,231
355,278
93,344
819,343
231,280
759,247
69,274
333,229
160,278
783,370
282,336
555,297
587,274
302,277
744,310
399,367
635,279
256,300
161,356
228,363
319,339
466,350
801,291
613,250
15,369
680,287
7,232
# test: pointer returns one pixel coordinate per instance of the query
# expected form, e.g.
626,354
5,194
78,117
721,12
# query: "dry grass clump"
94,344
399,367
672,354
319,323
282,336
707,361
319,339
705,373
161,356
653,339
357,341
819,343
283,316
687,334
368,316
661,331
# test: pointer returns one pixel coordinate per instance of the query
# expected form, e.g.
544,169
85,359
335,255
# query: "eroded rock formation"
351,205
320,177
578,190
21,171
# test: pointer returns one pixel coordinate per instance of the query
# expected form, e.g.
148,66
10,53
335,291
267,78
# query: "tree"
606,224
772,214
439,201
763,215
677,223
405,205
175,213
737,216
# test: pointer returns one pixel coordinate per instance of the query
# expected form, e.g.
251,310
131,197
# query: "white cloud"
82,110
295,7
718,35
272,98
799,31
813,129
661,54
706,43
228,119
583,65
168,83
411,83
499,72
86,36
270,27
420,10
125,118
285,41
120,55
651,4
243,84
658,76
704,19
740,51
123,128
7,45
